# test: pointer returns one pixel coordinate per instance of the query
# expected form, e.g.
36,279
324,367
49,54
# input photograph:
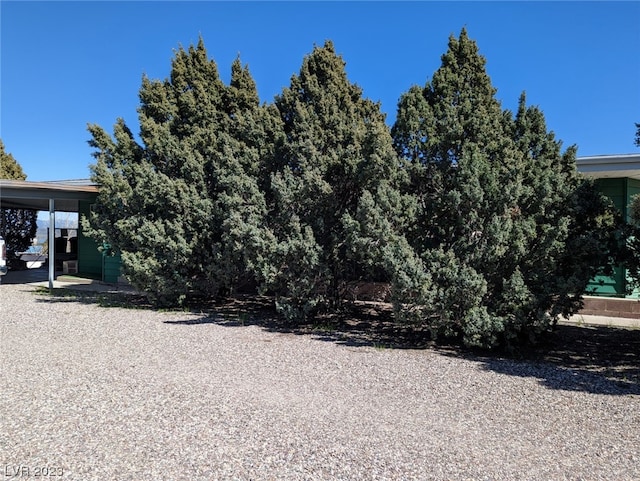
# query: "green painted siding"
620,191
633,188
89,257
616,190
609,286
91,262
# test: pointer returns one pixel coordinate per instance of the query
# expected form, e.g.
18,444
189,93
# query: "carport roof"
610,166
22,194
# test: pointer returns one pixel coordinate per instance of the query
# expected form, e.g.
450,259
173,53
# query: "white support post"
52,243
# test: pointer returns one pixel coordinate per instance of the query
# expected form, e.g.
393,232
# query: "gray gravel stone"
97,393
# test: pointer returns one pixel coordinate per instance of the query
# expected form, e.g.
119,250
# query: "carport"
59,196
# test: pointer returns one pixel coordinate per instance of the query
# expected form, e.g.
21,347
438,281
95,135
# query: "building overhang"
610,166
21,194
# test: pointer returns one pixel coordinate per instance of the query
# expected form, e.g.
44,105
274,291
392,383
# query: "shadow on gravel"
590,377
362,326
124,299
599,360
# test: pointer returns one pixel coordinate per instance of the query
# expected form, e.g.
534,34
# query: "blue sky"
66,64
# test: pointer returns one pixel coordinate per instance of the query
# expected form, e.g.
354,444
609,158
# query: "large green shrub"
181,206
335,150
507,232
477,218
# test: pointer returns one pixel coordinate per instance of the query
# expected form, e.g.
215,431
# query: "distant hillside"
63,221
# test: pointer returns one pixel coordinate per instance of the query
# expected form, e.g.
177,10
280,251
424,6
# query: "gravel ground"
106,393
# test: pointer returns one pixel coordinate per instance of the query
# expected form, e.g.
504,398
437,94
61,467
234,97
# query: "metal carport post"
52,242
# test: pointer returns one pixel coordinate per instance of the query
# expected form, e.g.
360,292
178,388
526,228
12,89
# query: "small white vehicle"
3,257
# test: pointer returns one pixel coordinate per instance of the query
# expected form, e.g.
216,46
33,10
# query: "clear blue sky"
66,64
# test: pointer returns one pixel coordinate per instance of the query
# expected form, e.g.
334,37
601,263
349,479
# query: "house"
618,177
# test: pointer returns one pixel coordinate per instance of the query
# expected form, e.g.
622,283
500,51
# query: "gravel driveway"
107,393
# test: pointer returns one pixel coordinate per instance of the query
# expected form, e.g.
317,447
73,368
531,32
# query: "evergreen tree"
9,167
178,206
335,150
17,226
507,235
571,230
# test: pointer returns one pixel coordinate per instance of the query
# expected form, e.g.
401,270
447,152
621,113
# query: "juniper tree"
178,205
17,226
570,230
501,237
335,150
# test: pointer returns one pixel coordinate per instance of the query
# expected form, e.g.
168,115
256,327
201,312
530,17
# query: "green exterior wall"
620,191
91,262
89,257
